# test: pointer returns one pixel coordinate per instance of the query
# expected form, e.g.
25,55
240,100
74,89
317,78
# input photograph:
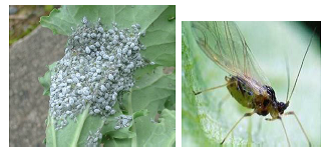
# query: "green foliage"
45,81
154,91
161,134
151,92
61,20
48,8
190,116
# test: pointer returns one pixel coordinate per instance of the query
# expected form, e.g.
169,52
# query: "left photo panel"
97,75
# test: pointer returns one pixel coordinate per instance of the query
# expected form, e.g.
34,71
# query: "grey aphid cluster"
123,121
98,65
93,138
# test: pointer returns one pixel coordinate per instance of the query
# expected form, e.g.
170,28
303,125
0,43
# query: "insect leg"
284,130
272,119
293,113
209,89
245,115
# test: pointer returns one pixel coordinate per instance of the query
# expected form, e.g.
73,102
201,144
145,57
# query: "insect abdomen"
242,93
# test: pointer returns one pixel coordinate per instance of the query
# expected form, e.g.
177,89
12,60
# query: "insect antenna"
301,65
288,75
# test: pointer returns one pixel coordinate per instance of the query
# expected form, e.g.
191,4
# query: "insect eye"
282,107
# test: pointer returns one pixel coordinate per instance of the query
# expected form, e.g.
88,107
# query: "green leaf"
151,92
76,133
190,115
160,39
61,20
45,81
161,134
215,116
154,90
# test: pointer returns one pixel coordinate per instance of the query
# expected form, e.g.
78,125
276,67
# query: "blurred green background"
23,19
206,118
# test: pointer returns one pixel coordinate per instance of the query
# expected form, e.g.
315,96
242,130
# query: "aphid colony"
123,121
92,139
97,66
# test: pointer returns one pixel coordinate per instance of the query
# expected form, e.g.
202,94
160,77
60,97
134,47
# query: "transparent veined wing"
224,44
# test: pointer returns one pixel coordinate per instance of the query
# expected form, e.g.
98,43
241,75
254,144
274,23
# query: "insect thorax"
260,98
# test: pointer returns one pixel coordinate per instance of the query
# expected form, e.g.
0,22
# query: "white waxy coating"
97,66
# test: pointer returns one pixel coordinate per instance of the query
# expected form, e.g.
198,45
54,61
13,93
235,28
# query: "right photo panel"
251,83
